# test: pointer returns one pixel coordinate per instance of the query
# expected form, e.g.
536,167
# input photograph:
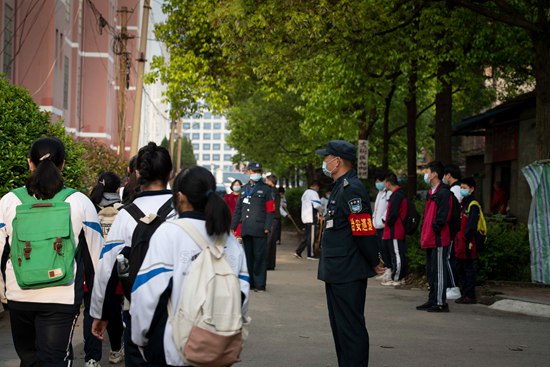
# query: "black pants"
466,269
272,243
346,310
255,249
132,355
399,261
308,241
383,249
92,345
43,338
437,268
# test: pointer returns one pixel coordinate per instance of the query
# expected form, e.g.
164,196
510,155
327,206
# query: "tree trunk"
410,103
386,124
443,114
542,75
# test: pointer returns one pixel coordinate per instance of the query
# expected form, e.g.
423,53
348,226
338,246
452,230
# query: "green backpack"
42,244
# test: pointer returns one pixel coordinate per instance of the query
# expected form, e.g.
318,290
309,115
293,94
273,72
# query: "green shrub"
99,158
294,204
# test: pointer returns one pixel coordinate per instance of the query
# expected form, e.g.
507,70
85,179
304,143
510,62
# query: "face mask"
465,192
379,186
236,188
445,181
426,179
256,177
325,169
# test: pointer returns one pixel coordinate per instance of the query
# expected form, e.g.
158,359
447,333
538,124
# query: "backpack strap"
23,195
473,202
198,238
134,211
165,209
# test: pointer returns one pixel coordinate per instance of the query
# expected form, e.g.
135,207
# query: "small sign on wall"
363,159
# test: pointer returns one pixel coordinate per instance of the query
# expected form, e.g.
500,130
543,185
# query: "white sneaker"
398,282
381,276
453,293
387,282
92,363
387,275
116,356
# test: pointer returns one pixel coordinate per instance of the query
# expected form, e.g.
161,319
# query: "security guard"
254,211
349,254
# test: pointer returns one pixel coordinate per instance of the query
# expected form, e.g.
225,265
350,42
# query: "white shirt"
310,201
456,191
380,208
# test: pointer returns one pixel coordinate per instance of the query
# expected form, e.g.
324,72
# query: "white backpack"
107,216
208,327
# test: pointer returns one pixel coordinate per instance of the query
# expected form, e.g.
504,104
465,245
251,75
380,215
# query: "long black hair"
199,186
106,182
47,155
131,187
153,163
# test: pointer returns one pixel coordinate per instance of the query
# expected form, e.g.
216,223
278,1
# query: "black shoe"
465,300
439,308
424,306
259,289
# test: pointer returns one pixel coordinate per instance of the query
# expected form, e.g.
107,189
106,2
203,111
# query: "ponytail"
106,182
198,185
47,155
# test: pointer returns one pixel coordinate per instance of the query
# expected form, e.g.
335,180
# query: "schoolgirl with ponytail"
43,319
170,254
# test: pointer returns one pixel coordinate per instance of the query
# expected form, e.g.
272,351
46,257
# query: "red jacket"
435,225
231,200
395,215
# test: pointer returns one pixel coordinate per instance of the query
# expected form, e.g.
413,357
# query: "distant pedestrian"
324,202
378,218
451,177
254,211
394,235
43,315
311,204
435,238
349,256
231,200
271,181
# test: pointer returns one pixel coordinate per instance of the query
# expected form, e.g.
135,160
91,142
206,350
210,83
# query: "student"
232,198
378,219
105,197
170,254
451,177
466,244
153,170
311,205
43,319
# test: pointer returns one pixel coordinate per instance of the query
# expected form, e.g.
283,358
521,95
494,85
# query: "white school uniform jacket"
310,201
88,236
380,208
161,277
120,236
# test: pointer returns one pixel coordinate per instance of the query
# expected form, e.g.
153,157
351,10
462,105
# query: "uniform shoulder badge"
355,205
346,183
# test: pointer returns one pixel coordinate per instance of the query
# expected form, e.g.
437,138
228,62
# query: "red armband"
270,206
361,224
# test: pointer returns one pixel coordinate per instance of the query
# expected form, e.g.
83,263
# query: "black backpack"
412,219
140,241
456,216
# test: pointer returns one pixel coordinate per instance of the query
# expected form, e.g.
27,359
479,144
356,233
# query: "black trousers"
308,241
383,249
43,338
132,355
399,261
466,269
92,345
346,310
255,249
437,268
272,243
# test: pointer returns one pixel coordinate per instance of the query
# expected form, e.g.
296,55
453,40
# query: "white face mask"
236,188
256,177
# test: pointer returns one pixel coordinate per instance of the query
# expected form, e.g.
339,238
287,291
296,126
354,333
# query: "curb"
523,307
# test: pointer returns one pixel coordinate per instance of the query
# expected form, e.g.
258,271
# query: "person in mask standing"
231,201
349,256
254,212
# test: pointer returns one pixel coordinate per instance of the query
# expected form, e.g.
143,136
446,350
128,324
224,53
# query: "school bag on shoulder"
208,327
146,226
481,231
107,216
42,247
412,218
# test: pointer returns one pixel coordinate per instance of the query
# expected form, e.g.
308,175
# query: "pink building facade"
58,50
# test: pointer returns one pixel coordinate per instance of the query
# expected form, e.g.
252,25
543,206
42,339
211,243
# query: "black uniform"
254,210
348,257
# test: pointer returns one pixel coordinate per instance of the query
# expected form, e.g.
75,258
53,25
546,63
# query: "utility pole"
139,82
123,59
172,138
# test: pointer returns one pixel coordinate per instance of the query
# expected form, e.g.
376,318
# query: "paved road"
290,327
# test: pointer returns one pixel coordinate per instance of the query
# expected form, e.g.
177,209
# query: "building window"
206,157
217,125
196,125
186,125
66,83
206,146
207,126
215,157
196,156
227,157
8,41
196,136
226,147
195,146
216,146
227,168
206,136
217,136
207,115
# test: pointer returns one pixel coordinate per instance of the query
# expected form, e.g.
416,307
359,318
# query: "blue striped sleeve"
2,225
108,247
244,277
95,226
145,277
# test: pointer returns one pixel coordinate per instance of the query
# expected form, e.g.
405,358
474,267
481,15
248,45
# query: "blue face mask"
256,177
426,179
465,192
445,181
379,186
325,169
236,188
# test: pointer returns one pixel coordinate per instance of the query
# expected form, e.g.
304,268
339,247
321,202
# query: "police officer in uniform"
349,254
254,211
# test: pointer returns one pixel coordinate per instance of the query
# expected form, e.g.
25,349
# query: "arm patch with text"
361,224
